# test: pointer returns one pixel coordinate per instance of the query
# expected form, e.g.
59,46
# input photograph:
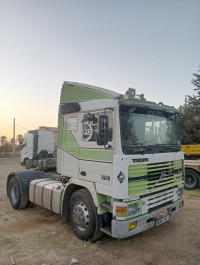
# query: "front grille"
158,200
147,178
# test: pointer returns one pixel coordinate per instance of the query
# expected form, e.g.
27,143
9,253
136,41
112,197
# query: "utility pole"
14,137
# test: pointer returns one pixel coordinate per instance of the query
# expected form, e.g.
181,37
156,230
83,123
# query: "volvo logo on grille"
163,174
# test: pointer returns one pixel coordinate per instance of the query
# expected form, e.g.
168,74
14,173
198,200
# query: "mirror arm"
108,147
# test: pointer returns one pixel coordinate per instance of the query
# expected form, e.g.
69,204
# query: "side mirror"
102,138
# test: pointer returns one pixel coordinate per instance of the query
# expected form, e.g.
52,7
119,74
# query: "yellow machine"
192,166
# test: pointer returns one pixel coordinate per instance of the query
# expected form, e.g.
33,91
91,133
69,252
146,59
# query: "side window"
24,142
91,126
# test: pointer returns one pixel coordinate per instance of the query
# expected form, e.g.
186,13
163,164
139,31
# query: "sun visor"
148,104
69,107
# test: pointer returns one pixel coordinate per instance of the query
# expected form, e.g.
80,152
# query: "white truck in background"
120,168
35,146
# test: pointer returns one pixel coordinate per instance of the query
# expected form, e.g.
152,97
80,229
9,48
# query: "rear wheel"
191,179
83,216
14,192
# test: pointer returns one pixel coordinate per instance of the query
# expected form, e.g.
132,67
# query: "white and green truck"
120,167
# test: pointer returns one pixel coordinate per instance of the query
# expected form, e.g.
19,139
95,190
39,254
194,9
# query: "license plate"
162,220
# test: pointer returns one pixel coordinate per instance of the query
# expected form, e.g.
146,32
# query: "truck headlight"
132,209
180,192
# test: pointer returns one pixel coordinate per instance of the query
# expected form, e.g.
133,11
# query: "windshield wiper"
139,148
171,147
135,145
174,147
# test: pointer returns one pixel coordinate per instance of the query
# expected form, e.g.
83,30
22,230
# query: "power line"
22,127
16,126
6,127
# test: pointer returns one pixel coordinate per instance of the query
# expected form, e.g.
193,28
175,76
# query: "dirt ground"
35,236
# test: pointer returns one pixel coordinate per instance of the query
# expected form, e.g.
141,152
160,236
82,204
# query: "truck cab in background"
36,145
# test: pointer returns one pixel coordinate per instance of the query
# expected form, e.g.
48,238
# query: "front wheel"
191,179
83,216
14,193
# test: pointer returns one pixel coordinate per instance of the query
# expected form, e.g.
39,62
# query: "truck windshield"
145,130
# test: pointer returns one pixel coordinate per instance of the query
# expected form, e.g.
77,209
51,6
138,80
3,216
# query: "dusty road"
35,236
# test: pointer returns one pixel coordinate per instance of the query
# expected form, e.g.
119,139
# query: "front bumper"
120,229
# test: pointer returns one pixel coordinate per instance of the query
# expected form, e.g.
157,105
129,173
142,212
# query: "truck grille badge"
121,177
163,175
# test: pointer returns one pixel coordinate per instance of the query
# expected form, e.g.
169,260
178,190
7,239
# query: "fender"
24,178
73,185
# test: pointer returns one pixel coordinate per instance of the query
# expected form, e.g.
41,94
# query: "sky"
150,45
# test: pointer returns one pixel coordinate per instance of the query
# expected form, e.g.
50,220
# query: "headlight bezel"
180,192
132,209
117,208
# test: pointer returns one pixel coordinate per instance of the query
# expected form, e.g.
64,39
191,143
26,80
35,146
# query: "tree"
19,138
189,122
12,141
5,145
196,83
3,140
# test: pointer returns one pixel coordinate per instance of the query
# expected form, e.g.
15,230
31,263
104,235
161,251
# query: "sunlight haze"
152,46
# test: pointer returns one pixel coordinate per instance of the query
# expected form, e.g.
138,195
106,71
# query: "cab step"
106,230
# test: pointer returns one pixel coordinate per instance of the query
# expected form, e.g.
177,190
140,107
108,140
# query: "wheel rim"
189,180
81,216
14,193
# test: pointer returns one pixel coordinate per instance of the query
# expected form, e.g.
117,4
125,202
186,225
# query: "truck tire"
14,193
191,179
27,164
83,216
